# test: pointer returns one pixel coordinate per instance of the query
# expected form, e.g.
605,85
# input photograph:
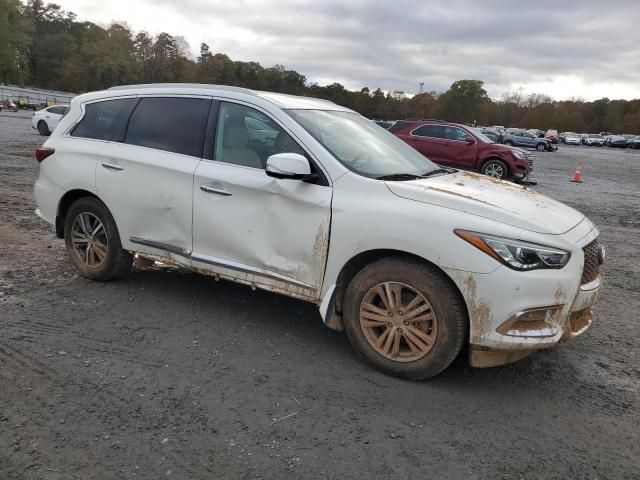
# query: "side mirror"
292,166
469,139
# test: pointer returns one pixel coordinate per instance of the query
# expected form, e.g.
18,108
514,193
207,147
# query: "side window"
57,110
103,120
172,124
432,131
247,137
454,133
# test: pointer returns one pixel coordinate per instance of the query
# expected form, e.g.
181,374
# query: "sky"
583,49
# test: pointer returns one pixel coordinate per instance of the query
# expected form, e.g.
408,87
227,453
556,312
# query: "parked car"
459,146
384,124
521,138
572,139
618,141
635,143
7,104
594,140
492,134
45,120
552,136
302,216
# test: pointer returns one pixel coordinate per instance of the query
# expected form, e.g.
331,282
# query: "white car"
412,259
572,139
594,139
46,120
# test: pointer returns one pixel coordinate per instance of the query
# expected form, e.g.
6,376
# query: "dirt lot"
167,374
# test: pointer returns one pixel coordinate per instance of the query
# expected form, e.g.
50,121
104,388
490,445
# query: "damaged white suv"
309,199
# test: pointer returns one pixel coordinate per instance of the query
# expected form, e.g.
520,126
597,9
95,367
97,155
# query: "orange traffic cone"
577,176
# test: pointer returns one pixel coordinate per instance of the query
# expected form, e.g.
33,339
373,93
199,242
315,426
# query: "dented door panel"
150,197
262,230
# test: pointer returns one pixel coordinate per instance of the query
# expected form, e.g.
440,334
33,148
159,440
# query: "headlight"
519,154
516,254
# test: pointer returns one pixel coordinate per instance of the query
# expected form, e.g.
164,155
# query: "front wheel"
495,168
405,318
93,242
541,147
509,143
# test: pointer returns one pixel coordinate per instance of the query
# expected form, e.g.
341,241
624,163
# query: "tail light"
43,152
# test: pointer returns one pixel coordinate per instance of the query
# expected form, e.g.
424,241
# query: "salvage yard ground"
167,374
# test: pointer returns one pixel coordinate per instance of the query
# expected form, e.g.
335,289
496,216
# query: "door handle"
111,166
215,189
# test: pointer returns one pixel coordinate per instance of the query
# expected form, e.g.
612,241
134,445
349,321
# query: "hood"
488,197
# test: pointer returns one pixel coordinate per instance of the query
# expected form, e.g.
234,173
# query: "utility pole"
421,87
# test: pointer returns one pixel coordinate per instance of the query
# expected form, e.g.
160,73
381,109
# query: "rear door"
146,176
430,140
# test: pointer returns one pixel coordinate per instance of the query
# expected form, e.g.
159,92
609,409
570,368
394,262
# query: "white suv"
309,199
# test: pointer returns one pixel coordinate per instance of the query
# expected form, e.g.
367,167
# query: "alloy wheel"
398,321
494,170
89,239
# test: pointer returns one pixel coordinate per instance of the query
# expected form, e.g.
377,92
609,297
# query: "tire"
509,143
86,249
447,327
43,128
541,147
495,168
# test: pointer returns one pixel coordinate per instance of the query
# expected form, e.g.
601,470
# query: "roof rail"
184,85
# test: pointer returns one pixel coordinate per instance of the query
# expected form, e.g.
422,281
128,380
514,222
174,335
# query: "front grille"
591,268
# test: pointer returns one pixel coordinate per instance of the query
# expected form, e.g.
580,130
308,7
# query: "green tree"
463,102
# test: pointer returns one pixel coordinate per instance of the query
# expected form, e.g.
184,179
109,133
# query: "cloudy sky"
572,48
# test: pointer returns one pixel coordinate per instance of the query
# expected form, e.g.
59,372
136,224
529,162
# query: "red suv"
463,147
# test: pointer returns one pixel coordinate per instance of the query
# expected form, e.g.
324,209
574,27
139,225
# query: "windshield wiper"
436,171
414,176
399,176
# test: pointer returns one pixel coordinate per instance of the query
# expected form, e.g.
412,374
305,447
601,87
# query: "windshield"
595,136
361,145
478,133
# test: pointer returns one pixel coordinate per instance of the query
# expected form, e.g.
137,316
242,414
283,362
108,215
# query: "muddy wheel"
404,318
495,168
93,241
43,128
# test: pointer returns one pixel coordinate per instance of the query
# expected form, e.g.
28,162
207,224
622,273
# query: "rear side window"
432,131
171,124
103,120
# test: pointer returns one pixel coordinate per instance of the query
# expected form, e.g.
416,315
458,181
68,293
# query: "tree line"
43,46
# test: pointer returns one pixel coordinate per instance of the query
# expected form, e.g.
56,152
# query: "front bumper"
554,304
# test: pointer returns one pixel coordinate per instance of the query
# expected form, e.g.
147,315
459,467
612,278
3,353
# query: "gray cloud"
396,44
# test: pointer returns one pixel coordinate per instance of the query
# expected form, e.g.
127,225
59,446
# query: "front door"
461,152
272,233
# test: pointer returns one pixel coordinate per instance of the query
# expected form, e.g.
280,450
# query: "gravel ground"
167,374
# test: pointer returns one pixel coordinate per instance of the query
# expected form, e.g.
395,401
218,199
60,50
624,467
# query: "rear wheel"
43,128
404,318
93,242
495,168
541,147
509,143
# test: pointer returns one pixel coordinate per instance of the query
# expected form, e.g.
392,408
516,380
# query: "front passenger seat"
234,146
